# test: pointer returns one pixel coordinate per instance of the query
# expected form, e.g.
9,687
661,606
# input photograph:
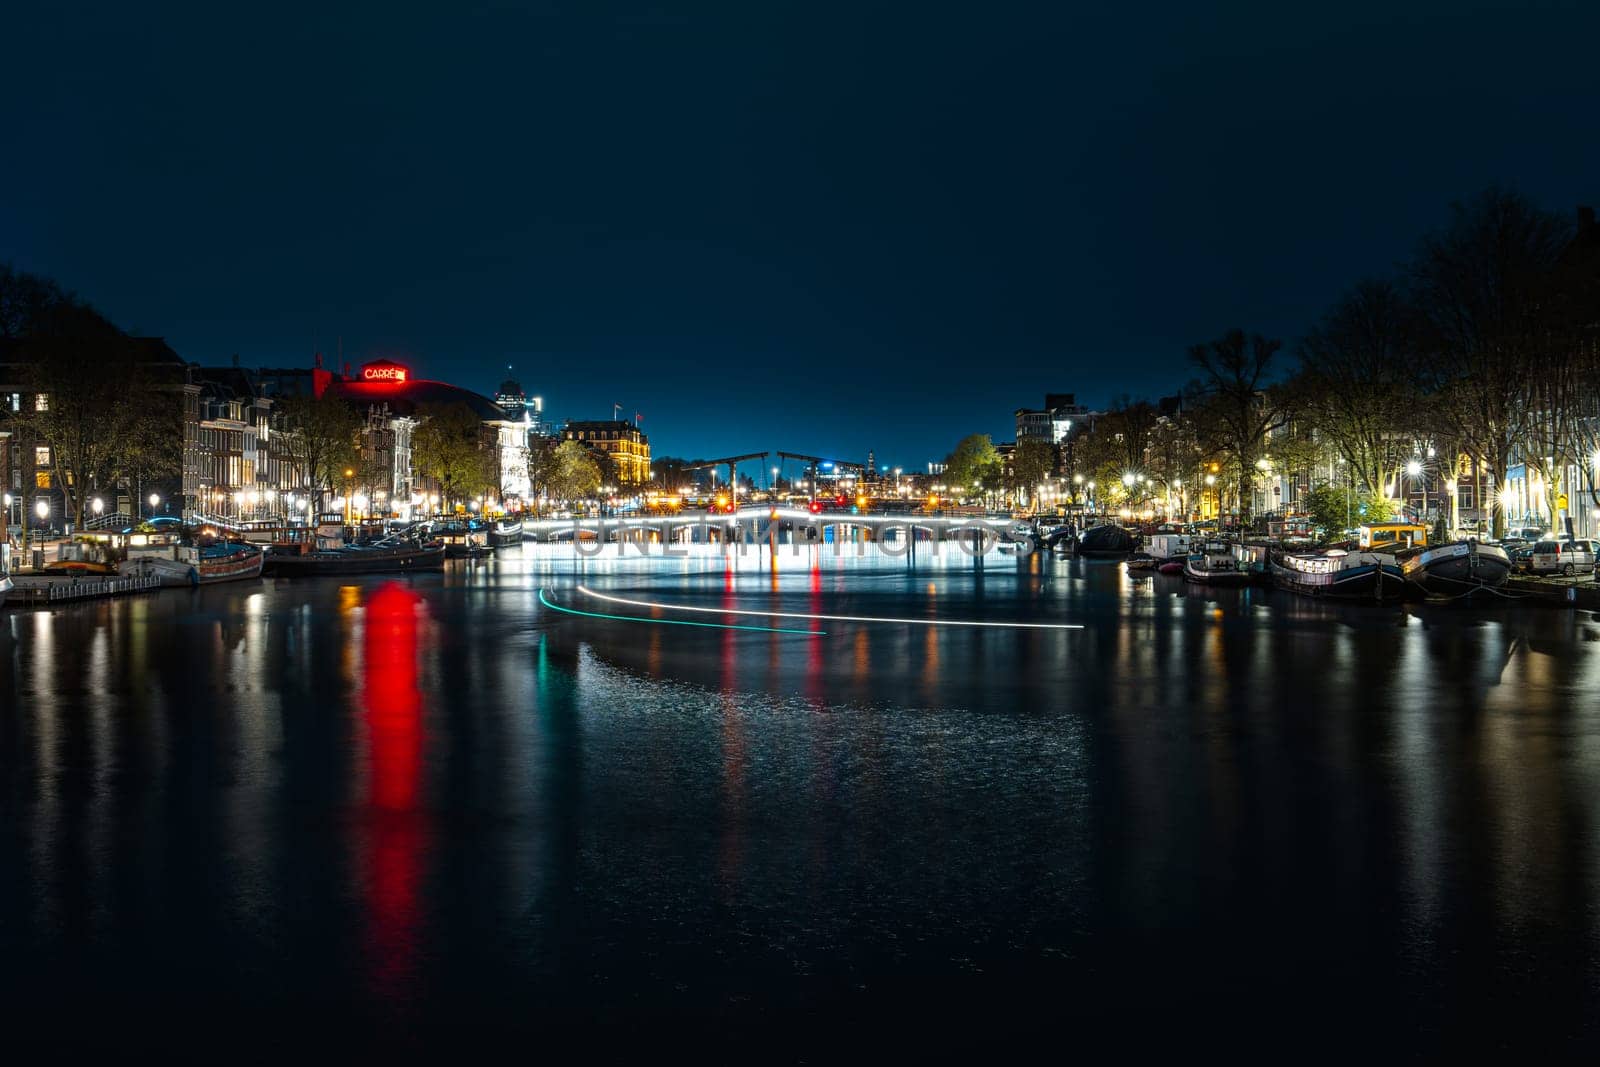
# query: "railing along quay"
38,591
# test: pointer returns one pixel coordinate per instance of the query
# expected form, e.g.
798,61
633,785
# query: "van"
1561,557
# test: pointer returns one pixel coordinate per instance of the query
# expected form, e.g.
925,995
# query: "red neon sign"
383,372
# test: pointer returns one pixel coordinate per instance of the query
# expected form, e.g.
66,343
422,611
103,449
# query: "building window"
41,479
41,402
41,456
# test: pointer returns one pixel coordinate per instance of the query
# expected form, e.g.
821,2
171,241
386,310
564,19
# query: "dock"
1578,592
42,591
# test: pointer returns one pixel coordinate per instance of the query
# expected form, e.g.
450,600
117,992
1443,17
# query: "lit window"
41,479
41,456
41,402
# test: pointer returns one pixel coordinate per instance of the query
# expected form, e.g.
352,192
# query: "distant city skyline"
877,232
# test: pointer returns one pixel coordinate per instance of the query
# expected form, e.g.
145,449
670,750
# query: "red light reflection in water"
814,643
393,829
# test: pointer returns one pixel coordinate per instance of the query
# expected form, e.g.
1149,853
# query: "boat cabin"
1392,535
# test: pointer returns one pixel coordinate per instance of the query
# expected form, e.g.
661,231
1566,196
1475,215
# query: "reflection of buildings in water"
735,760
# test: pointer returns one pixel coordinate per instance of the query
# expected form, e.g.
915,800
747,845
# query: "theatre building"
394,402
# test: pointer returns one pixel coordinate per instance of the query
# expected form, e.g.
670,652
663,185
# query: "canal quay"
620,798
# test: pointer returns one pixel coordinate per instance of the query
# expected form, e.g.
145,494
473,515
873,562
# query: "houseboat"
1213,563
84,558
1104,542
192,565
1456,569
461,538
1370,571
506,532
398,557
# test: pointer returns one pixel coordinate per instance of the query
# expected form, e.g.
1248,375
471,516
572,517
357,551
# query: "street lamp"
97,505
155,502
41,508
1413,469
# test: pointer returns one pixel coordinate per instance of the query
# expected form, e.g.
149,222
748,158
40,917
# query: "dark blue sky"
816,227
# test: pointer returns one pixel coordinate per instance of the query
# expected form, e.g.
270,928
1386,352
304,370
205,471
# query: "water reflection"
392,834
434,794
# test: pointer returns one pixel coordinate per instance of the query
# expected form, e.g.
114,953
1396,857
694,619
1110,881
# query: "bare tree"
1357,385
1238,405
1478,284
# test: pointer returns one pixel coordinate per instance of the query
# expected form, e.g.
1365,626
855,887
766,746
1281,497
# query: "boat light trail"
674,622
834,618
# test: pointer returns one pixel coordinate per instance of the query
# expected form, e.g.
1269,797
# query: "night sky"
814,227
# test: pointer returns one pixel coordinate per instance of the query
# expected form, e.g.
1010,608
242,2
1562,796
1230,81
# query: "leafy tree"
447,449
574,474
99,400
318,438
1238,407
973,463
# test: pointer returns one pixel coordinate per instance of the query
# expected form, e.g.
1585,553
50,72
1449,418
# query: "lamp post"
41,508
1413,470
155,502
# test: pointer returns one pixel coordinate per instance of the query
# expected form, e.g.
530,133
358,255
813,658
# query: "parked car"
1561,557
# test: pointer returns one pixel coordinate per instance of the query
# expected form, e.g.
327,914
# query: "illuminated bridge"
756,524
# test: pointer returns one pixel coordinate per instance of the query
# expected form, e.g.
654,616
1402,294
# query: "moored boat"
192,565
1457,568
84,559
462,539
1371,571
1213,563
506,532
354,559
1104,542
5,569
1164,548
1337,573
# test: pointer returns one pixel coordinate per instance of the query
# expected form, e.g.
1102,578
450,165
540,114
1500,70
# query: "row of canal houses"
234,465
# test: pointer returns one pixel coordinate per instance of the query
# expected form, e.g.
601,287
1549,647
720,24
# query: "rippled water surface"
434,812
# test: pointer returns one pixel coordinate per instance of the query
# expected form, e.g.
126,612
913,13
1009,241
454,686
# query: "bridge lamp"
41,508
155,500
98,505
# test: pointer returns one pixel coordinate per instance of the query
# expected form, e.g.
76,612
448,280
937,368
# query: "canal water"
291,818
